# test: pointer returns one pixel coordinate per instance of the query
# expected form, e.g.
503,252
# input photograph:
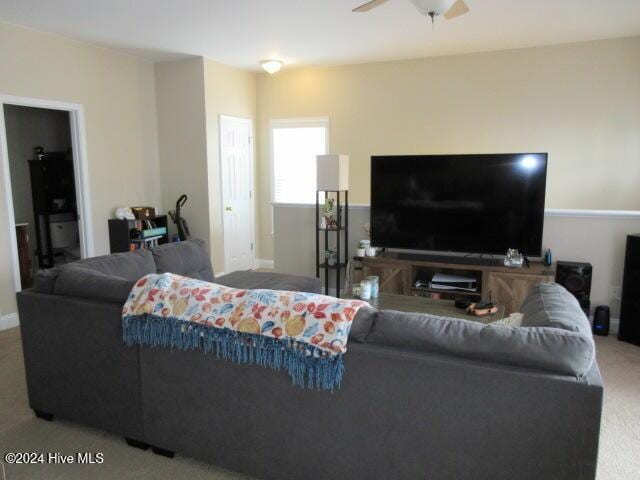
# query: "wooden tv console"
398,273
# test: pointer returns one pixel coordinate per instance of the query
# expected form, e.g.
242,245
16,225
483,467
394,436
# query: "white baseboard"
9,321
260,263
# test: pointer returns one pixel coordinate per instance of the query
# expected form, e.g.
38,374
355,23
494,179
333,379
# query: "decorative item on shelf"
323,223
328,213
361,252
124,213
356,290
38,153
513,259
330,257
142,213
59,203
548,258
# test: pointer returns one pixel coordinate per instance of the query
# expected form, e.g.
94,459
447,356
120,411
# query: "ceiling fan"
429,8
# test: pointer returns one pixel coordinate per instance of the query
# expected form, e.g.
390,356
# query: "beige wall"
228,91
579,102
183,140
117,92
191,96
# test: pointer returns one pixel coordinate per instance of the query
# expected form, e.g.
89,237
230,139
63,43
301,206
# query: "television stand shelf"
398,273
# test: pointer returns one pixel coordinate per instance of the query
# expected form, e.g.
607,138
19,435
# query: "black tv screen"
459,203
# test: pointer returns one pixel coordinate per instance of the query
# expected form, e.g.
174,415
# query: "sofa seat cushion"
77,281
544,348
189,259
271,280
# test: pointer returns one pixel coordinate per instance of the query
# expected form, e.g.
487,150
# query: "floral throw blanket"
302,333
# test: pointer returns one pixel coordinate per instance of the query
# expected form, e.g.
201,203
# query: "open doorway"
43,188
44,172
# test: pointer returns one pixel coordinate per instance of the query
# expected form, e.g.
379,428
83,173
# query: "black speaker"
576,277
601,320
630,305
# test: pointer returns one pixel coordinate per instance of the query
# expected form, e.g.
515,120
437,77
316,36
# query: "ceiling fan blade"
369,5
457,9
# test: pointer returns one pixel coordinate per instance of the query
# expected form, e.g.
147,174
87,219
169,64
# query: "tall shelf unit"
341,234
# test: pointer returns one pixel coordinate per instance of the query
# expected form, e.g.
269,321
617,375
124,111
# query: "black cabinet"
53,192
630,306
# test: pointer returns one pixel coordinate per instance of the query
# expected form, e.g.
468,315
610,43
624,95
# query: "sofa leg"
136,443
43,415
162,452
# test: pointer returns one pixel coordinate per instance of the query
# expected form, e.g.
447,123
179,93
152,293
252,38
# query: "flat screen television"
459,203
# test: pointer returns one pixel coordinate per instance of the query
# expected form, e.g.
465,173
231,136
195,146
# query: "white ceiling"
319,32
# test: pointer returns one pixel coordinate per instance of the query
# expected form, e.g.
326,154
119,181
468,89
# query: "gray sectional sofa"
422,397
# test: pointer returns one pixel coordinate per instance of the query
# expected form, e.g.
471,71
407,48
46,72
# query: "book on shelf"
142,243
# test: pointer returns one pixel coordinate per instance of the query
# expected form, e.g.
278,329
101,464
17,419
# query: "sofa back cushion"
560,343
189,259
74,281
106,278
129,265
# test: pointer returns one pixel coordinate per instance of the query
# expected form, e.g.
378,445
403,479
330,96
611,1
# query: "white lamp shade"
332,172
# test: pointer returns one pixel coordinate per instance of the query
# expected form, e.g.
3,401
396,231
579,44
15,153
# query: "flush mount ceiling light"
271,66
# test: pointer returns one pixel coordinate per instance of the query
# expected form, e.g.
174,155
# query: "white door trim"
80,168
249,122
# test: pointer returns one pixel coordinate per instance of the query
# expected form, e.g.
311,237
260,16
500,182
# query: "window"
294,146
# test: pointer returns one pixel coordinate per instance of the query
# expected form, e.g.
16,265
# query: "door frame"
80,170
249,122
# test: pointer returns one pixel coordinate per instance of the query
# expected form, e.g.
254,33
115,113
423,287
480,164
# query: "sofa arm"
76,363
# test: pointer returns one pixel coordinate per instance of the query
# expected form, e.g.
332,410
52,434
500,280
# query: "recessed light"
271,66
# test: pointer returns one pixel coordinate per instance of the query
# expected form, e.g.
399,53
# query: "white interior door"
237,183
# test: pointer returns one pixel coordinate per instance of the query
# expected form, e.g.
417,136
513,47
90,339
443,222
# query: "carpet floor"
20,431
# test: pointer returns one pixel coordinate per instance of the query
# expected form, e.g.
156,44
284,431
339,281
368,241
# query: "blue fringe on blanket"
307,365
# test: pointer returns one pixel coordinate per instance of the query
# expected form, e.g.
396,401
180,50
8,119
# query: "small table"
443,308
